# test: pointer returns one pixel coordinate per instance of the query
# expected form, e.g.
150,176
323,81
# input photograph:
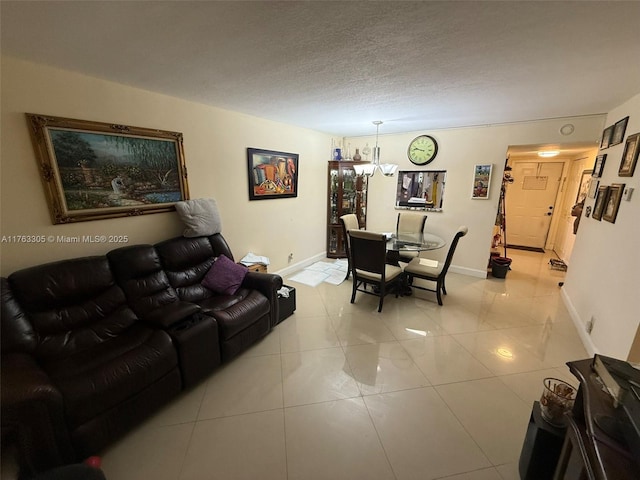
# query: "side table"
287,305
257,267
541,448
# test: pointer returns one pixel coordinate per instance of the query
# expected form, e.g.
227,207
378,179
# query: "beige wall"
459,150
634,353
603,280
215,143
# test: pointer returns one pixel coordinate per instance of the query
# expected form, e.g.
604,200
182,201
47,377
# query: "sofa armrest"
268,284
33,411
171,314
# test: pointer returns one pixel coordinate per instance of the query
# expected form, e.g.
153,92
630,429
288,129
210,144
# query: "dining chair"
349,222
409,222
369,267
432,270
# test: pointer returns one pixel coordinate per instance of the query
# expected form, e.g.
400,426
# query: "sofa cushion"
220,302
200,217
16,332
186,261
225,276
139,273
73,305
240,315
93,381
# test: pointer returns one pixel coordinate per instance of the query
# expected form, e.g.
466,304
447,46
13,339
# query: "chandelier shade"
369,169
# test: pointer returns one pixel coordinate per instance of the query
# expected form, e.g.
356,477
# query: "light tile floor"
339,391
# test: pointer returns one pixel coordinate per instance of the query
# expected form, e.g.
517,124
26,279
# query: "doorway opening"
530,202
539,199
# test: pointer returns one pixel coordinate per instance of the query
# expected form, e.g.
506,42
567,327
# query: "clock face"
422,150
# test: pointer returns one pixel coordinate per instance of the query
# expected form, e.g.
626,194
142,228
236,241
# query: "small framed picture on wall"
481,181
598,166
585,183
606,137
612,203
600,200
593,188
618,131
630,156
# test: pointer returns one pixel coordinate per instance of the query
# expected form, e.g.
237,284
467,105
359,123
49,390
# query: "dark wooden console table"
588,452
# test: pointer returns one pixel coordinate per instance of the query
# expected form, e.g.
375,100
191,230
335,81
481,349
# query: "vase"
357,157
557,399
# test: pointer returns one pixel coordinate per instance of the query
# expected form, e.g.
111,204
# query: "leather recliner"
139,272
243,317
92,346
76,356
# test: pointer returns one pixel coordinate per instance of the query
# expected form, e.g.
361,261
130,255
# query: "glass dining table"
403,243
414,242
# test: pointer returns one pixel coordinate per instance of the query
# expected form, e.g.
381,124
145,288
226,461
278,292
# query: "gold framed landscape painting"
94,170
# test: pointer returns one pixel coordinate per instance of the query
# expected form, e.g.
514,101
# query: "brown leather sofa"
93,345
187,260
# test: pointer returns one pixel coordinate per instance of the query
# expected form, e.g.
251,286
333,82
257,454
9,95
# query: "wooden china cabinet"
347,193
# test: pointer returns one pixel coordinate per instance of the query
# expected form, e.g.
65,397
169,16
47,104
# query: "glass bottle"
366,151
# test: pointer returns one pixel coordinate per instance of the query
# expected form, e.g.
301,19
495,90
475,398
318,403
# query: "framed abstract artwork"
93,170
272,174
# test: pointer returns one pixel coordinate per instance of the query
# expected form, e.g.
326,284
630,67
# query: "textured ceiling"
336,66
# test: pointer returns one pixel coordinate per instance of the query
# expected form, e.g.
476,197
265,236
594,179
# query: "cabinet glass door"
349,191
347,195
334,181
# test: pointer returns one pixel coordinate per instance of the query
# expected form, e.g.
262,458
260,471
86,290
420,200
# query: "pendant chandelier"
369,169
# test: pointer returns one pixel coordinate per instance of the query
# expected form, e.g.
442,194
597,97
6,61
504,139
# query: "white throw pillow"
200,216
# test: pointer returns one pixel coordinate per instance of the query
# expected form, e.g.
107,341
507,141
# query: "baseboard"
296,267
579,324
529,249
470,272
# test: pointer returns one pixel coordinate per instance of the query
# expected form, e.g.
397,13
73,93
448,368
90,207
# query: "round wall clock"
422,150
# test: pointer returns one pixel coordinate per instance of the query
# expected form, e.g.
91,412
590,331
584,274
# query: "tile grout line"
193,428
284,412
